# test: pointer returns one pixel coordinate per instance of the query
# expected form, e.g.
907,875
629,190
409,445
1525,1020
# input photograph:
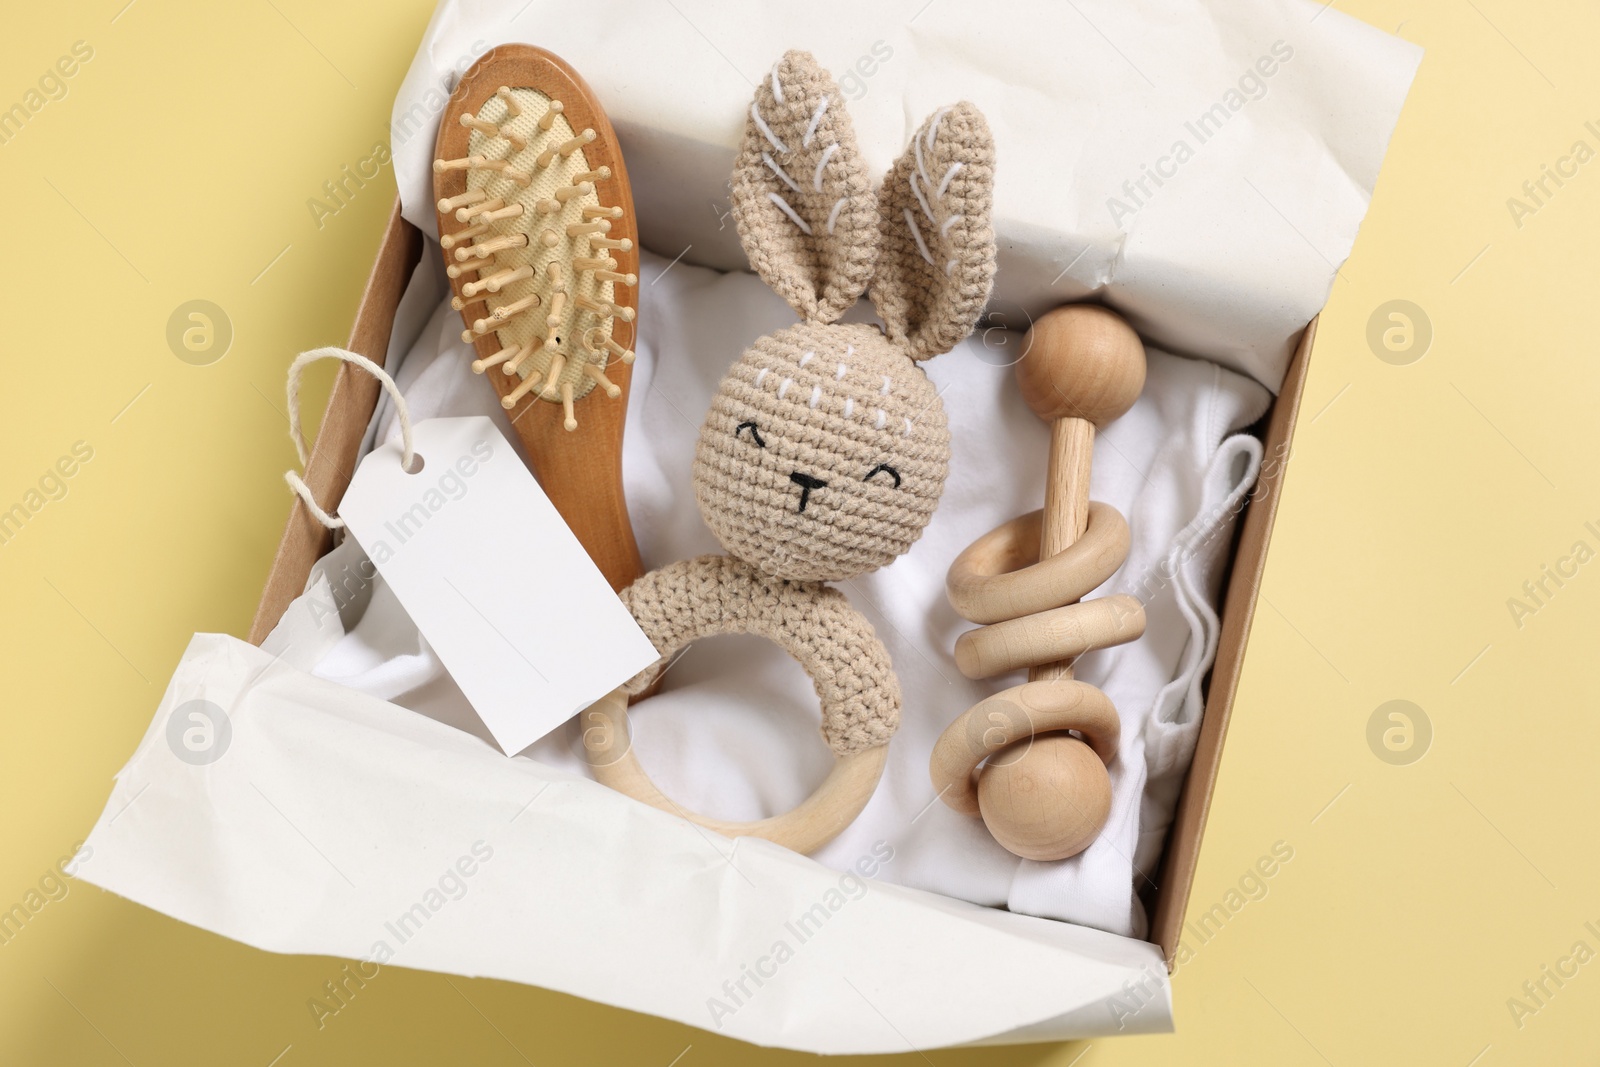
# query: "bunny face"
823,455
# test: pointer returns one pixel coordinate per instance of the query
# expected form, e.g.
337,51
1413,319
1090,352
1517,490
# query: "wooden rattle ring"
1062,633
1000,575
1016,714
834,805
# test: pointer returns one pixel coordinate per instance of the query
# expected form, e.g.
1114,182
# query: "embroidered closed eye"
886,469
755,435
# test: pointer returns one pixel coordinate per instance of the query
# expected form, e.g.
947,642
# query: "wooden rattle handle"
1066,507
1082,367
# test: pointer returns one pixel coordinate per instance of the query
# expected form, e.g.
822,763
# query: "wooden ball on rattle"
1081,361
1047,797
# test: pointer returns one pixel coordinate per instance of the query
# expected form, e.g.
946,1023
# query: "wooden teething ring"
817,820
1043,793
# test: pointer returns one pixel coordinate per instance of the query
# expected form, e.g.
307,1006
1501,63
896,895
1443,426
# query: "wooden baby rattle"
1044,793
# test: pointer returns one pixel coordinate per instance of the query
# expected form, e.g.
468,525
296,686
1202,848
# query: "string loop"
296,369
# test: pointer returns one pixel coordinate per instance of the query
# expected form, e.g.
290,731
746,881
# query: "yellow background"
1418,500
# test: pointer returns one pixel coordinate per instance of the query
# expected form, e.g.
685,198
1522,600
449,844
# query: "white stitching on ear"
885,390
916,147
761,124
911,222
805,142
833,216
933,127
766,157
949,222
816,179
777,90
762,373
950,267
783,388
849,406
881,421
816,396
917,189
907,431
783,205
807,358
838,375
944,182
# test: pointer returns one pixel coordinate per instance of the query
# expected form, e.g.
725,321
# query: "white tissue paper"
336,811
1199,166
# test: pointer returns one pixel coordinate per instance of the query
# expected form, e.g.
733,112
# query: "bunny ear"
801,198
936,256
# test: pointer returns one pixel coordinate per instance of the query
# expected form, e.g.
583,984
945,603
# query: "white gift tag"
520,616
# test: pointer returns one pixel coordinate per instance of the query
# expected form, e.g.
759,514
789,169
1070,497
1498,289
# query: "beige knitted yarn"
826,448
847,663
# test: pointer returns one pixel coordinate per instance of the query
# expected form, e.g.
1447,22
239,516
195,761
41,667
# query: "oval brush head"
539,237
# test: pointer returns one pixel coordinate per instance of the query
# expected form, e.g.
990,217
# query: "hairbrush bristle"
471,196
526,386
611,388
605,307
624,354
505,312
514,364
568,420
497,214
450,240
466,214
558,363
558,304
502,356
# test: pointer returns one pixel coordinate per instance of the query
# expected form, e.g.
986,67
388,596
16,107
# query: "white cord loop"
296,368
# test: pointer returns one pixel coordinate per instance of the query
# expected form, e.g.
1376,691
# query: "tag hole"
416,464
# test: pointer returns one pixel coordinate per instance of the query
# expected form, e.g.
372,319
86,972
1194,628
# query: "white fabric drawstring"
295,482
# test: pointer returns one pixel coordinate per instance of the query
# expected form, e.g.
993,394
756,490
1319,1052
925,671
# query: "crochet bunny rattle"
825,449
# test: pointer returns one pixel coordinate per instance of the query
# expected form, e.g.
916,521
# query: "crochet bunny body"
825,449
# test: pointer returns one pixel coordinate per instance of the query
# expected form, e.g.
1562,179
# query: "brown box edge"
355,394
350,406
1181,856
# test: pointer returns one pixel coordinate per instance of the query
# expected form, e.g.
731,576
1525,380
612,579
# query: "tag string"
296,369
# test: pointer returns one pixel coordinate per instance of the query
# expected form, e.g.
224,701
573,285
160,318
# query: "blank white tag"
520,616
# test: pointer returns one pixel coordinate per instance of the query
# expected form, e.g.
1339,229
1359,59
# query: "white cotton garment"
734,730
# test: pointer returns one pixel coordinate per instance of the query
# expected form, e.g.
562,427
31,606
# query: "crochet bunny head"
826,447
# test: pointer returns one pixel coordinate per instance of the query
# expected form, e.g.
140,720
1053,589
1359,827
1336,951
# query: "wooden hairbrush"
1043,792
537,225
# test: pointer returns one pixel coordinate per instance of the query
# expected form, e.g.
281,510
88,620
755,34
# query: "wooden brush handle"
573,438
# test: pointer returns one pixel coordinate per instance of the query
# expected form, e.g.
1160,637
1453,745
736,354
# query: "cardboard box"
355,395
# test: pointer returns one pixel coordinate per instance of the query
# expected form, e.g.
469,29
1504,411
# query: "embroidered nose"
806,484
